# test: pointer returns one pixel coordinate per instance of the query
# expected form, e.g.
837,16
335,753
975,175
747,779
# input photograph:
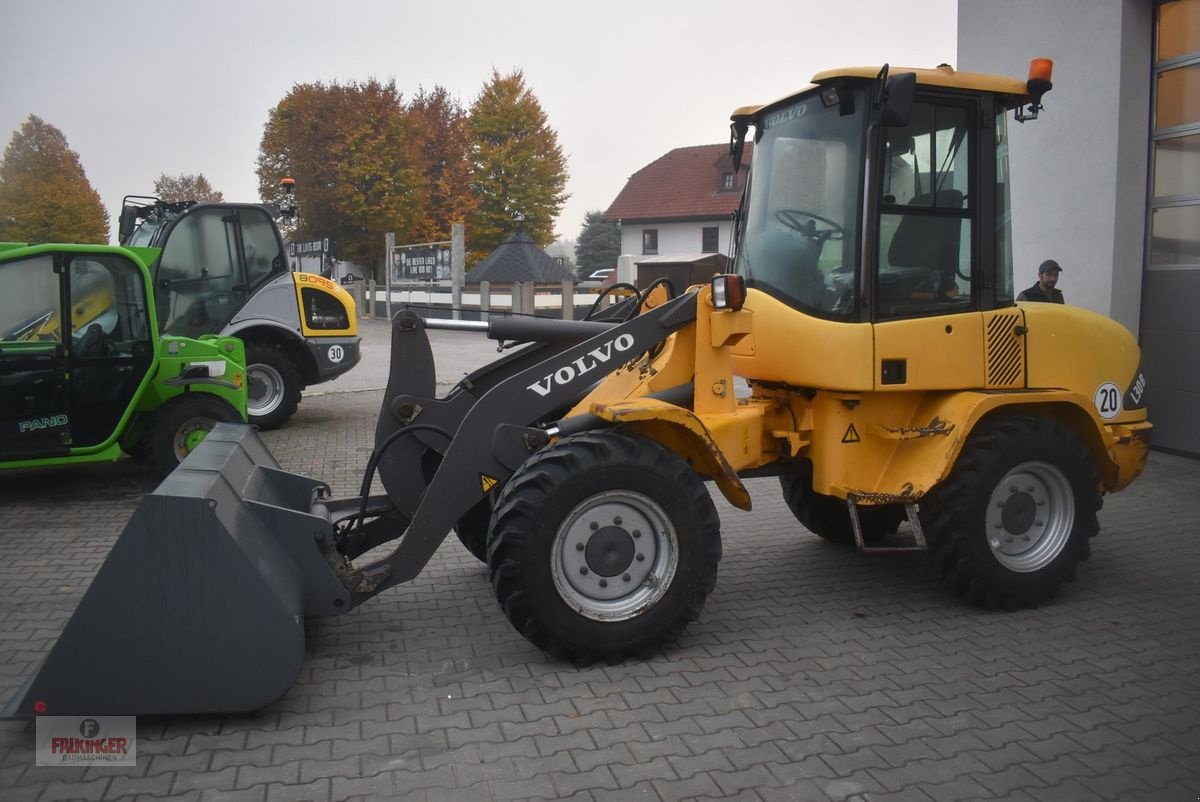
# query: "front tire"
181,424
604,546
273,385
1014,519
472,528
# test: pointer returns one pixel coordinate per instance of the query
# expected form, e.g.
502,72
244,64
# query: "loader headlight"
728,292
323,311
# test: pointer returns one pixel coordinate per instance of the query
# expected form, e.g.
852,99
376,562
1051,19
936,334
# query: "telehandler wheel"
273,385
828,517
1014,518
180,425
604,545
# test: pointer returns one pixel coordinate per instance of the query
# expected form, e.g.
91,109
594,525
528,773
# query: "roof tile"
685,183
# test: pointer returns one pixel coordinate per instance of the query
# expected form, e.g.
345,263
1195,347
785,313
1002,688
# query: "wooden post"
458,261
389,248
568,299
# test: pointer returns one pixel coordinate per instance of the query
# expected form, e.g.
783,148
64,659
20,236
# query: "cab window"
108,307
260,246
798,241
197,281
924,265
29,300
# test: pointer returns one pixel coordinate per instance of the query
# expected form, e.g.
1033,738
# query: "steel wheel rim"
614,556
1030,516
264,389
189,435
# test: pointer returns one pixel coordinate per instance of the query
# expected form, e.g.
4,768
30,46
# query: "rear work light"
728,291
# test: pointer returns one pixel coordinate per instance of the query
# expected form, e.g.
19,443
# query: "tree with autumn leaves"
520,171
352,150
186,187
444,151
44,194
367,163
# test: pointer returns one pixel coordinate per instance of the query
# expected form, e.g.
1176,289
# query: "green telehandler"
85,374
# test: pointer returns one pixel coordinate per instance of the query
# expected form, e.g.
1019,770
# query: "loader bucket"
200,605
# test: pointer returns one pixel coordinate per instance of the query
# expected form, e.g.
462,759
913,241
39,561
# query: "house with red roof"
681,204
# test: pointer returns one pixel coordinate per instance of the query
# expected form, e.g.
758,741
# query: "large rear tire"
828,517
273,385
1014,518
181,424
604,546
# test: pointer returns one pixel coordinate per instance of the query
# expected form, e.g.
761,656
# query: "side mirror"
897,104
737,143
125,226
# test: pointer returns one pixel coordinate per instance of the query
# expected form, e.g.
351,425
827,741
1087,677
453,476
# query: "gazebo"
521,267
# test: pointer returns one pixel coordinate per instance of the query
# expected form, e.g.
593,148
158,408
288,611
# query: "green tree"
352,151
44,194
184,187
520,171
599,244
444,150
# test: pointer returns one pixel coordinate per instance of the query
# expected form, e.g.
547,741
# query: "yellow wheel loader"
867,350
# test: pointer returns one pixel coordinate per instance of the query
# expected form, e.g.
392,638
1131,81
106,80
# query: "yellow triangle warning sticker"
851,435
486,482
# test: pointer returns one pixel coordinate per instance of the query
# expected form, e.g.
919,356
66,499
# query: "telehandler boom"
867,350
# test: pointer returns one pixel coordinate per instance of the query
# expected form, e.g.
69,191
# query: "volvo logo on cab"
584,364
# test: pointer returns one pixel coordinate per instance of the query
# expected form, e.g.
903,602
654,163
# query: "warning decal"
851,435
486,482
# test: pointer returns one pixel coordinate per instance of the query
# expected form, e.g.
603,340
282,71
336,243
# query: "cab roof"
943,75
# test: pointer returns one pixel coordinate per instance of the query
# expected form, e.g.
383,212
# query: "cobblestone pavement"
814,673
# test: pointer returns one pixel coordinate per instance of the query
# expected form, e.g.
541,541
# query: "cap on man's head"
1049,266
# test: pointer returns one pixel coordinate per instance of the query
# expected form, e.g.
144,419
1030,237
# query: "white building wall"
674,239
1079,172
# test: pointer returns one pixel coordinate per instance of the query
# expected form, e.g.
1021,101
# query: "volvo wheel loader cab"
84,373
867,351
222,269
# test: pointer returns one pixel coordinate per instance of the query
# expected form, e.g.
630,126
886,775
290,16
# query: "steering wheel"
795,220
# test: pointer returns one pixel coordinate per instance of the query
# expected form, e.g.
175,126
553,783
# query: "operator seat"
91,341
926,248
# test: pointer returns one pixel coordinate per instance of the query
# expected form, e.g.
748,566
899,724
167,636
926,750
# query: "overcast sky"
151,88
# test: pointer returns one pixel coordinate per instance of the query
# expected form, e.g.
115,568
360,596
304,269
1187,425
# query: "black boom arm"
493,439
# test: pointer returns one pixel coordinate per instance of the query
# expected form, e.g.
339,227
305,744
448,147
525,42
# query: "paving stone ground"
815,673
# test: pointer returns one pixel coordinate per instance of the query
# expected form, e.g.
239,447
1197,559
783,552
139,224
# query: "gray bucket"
200,605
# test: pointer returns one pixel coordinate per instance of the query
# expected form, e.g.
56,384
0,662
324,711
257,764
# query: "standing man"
1044,290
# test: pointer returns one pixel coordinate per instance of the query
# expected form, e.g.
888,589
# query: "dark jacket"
1035,293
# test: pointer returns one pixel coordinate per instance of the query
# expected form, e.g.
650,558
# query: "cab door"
929,330
200,278
34,419
111,346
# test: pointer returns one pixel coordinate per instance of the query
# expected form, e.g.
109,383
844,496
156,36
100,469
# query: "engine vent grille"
1005,351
